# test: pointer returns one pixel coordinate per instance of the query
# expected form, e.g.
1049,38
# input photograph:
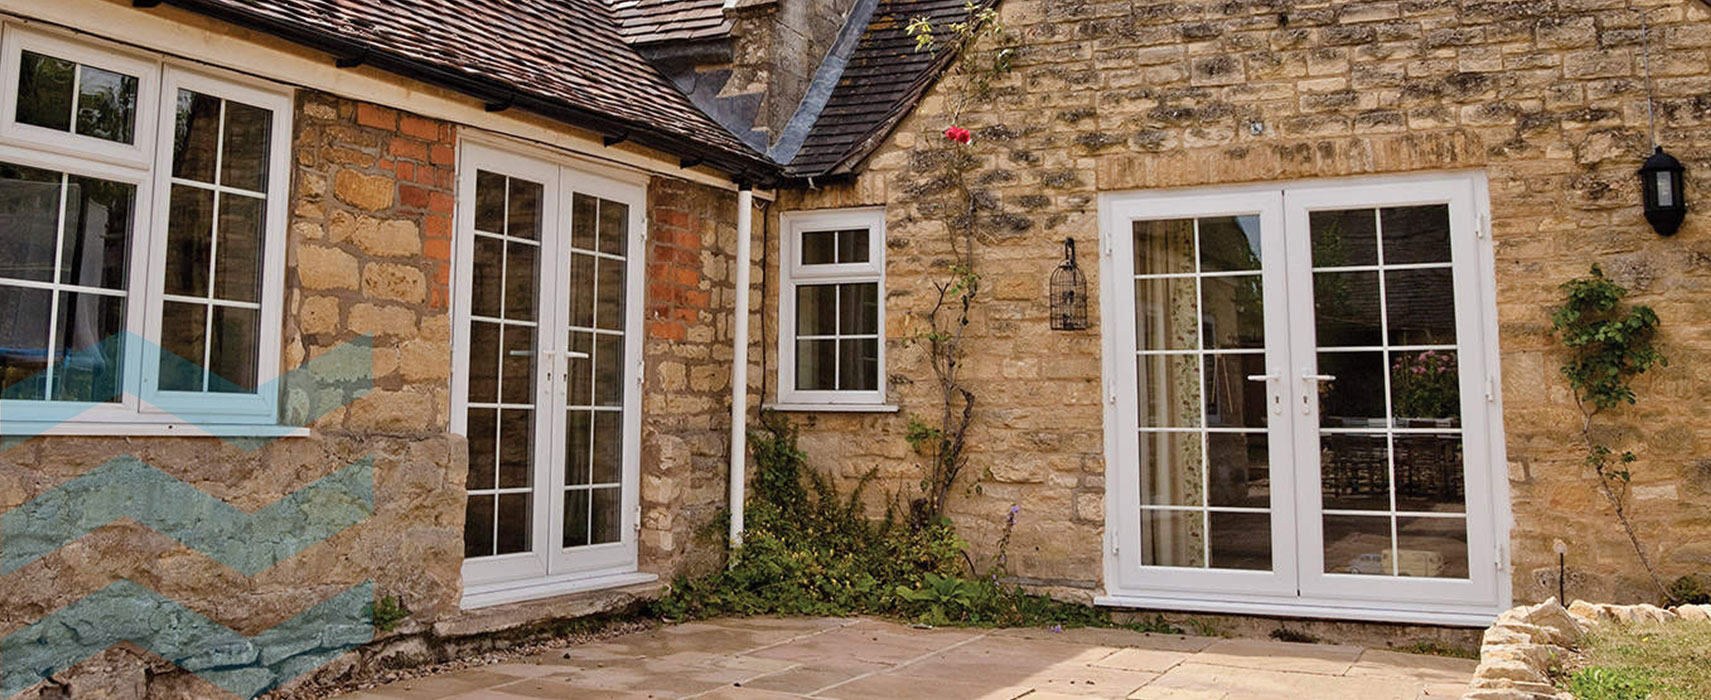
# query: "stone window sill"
26,429
831,407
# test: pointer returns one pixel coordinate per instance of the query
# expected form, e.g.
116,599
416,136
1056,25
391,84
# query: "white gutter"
740,364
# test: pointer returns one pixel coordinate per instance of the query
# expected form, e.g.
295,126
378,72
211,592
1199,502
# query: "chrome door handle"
1318,377
1263,377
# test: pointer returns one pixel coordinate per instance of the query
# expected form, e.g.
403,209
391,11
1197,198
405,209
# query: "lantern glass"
1665,189
1068,293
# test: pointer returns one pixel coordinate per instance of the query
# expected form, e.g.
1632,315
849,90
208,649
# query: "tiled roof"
649,21
884,80
552,52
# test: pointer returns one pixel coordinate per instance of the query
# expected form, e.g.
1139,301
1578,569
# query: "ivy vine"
1610,344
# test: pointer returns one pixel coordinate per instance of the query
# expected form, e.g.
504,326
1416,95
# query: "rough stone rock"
371,192
1694,612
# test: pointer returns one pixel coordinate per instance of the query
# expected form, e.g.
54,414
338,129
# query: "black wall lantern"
1069,292
1660,180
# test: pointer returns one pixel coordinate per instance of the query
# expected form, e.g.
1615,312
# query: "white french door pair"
1302,402
546,372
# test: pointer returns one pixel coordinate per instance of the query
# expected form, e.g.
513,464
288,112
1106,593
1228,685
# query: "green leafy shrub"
1688,589
808,550
387,612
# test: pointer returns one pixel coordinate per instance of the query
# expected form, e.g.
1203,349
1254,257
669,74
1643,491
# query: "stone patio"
857,659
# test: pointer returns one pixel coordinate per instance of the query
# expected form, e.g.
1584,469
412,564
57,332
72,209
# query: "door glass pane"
583,217
578,446
504,363
1173,538
1358,544
1240,540
1399,310
248,137
1199,335
596,425
614,227
608,447
606,516
609,294
576,517
1431,547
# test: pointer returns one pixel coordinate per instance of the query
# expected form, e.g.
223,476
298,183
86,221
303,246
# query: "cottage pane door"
547,395
1301,409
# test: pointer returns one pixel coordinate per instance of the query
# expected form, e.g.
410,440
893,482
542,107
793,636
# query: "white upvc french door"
546,359
1308,371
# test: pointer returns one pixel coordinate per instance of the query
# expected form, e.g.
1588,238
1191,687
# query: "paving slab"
865,659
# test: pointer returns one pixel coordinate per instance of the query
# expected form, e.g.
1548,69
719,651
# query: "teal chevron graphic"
95,375
129,612
126,487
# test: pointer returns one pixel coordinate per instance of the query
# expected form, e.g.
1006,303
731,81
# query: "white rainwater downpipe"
740,363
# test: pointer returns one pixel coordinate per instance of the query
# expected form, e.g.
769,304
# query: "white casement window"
832,311
142,208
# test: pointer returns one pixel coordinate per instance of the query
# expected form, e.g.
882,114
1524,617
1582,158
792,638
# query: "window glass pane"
98,233
195,136
852,246
609,294
1425,389
522,266
1169,390
1231,400
1421,306
478,526
233,359
486,276
614,227
817,309
576,518
608,447
1343,237
819,247
577,445
1164,247
1229,244
183,331
91,347
523,210
1232,312
858,364
516,447
483,429
1355,472
606,515
189,229
1429,474
1416,234
1354,396
44,91
29,222
1170,469
249,133
237,268
581,369
1358,544
1240,540
1167,316
107,105
581,290
816,365
1237,465
516,520
23,342
1431,547
583,210
517,380
489,202
1173,538
858,309
1346,309
608,370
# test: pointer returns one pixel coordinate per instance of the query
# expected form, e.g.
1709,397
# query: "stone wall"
687,389
367,249
1547,98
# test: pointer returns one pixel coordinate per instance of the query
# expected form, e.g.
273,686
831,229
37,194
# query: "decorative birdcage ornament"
1069,292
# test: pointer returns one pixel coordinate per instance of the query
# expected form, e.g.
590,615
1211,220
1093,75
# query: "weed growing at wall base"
809,550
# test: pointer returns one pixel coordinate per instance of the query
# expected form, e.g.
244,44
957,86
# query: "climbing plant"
1609,344
979,50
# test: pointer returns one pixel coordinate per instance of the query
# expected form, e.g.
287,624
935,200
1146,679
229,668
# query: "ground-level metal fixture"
1660,181
1069,292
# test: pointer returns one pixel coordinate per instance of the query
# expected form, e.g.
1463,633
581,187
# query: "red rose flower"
958,134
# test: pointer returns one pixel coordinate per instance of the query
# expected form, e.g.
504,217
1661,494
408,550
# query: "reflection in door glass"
1391,461
1199,336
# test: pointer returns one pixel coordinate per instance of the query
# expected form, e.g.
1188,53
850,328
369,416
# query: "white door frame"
1471,602
548,569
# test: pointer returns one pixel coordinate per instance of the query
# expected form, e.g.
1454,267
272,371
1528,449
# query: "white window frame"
795,274
141,409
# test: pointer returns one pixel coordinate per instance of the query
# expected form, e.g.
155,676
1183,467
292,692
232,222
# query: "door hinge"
1502,556
1490,389
638,517
1484,225
641,370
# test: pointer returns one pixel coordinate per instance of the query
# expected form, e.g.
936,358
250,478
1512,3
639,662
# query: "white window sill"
26,429
831,407
490,594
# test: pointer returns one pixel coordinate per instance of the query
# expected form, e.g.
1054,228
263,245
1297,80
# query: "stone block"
322,267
